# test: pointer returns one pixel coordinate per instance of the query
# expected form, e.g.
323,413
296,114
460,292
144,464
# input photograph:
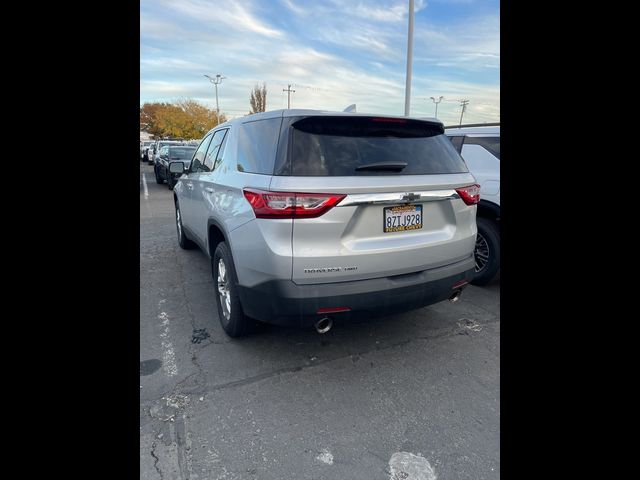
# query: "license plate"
402,218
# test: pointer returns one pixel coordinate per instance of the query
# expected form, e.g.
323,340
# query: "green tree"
258,98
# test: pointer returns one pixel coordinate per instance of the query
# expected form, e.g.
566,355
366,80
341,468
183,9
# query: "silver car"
308,216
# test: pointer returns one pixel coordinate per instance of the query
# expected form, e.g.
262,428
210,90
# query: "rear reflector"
333,310
459,284
290,205
470,194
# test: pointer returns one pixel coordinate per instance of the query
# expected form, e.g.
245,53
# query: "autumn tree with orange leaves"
185,119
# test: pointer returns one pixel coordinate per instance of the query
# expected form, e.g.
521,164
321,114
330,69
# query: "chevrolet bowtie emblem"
410,197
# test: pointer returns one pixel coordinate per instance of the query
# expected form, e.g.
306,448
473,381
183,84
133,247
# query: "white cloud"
232,14
333,57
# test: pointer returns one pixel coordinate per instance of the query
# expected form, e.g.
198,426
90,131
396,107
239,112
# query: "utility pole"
434,101
216,81
288,90
407,89
463,104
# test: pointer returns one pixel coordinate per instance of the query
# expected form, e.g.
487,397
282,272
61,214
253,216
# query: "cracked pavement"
293,404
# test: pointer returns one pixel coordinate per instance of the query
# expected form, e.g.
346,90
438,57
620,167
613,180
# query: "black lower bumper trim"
283,302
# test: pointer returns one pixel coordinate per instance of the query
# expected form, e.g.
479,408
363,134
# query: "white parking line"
144,185
168,354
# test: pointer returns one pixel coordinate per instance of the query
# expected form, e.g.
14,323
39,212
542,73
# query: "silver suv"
309,216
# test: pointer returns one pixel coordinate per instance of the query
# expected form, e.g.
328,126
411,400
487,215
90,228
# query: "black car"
170,154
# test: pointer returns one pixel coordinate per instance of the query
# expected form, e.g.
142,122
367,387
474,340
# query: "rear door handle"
208,189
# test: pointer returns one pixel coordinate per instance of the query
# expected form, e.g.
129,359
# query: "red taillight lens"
290,205
470,195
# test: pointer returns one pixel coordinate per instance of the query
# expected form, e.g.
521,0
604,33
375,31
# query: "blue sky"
334,52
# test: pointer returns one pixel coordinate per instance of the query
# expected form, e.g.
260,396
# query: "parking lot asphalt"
413,396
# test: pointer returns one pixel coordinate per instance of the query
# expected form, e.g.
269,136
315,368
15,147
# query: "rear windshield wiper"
382,166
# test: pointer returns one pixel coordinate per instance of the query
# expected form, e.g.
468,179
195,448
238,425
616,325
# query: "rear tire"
232,318
487,252
183,241
171,182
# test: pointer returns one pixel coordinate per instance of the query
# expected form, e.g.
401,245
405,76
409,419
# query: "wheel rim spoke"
223,289
481,252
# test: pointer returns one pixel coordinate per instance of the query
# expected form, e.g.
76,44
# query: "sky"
334,53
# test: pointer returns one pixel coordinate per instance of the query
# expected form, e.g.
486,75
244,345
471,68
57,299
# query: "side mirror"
176,167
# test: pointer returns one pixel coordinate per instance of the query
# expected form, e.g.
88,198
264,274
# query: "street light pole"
434,101
407,89
216,81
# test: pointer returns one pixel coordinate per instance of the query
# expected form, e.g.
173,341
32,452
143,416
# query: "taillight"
290,205
470,195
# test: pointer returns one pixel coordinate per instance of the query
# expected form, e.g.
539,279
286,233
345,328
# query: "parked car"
169,154
158,145
144,147
479,145
151,152
382,219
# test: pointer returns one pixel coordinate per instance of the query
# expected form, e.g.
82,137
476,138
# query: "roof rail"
474,125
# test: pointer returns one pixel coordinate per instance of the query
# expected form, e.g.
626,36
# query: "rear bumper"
283,302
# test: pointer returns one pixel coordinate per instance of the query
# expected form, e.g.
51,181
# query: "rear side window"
492,144
257,145
221,150
356,146
198,158
218,137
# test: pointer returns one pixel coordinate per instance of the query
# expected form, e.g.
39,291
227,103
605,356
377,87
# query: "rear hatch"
405,199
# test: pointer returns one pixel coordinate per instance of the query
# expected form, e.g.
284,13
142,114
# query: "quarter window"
257,145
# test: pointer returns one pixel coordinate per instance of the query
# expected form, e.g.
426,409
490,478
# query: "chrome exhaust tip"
455,296
323,325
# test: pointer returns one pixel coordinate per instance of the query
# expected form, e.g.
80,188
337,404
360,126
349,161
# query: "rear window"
492,144
355,146
257,145
181,153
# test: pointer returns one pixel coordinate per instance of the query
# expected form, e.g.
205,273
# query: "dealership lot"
411,396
